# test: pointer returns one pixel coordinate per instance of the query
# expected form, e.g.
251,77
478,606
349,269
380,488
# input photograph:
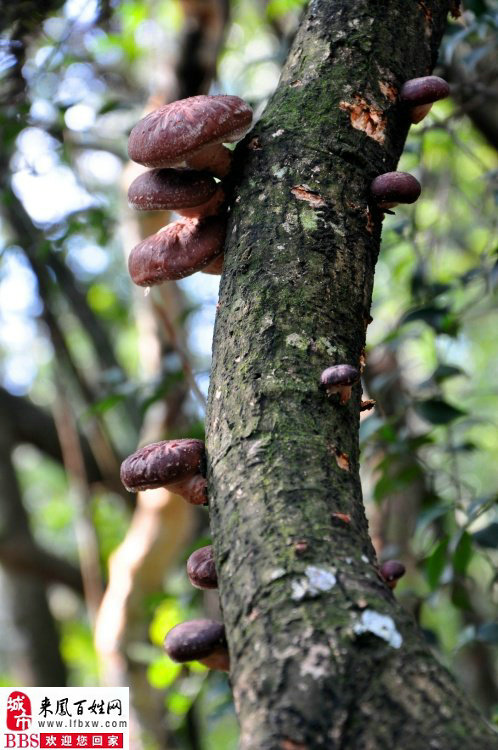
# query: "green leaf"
436,562
437,411
487,537
462,554
460,597
426,517
446,371
433,316
163,672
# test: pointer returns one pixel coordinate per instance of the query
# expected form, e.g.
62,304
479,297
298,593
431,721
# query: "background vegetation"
77,345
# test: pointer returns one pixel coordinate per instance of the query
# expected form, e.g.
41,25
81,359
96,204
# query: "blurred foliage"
80,85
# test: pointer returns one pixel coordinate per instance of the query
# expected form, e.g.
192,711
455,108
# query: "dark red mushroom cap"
395,187
178,250
161,464
391,571
201,569
170,134
196,639
169,189
425,90
339,375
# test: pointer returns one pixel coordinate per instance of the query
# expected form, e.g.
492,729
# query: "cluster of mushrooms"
182,143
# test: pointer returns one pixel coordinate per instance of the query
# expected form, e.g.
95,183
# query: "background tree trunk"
322,656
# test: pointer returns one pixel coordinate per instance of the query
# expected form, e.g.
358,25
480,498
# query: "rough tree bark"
322,656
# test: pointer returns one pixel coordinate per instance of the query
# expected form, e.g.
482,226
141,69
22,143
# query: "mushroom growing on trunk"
189,193
201,569
419,94
391,188
339,379
178,250
190,132
176,464
391,571
199,640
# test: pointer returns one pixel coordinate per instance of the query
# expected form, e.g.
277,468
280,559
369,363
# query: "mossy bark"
322,656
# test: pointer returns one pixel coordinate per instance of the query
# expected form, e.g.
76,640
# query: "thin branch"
86,537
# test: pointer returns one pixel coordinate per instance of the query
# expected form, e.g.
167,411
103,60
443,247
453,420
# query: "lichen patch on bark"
380,625
366,117
317,581
316,662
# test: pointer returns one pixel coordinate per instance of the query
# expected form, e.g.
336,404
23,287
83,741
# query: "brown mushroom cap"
161,464
196,639
339,375
395,187
178,250
163,189
391,571
425,90
201,569
170,134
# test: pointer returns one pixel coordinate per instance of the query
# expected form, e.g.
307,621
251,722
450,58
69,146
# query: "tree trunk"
322,656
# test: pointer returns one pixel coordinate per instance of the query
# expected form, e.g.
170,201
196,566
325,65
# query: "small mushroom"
339,379
178,250
199,640
201,569
176,464
419,94
189,193
191,132
391,571
392,188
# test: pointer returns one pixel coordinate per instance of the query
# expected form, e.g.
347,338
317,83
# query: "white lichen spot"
217,395
278,172
278,132
316,662
261,197
266,323
380,625
325,346
365,559
280,247
317,580
297,341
